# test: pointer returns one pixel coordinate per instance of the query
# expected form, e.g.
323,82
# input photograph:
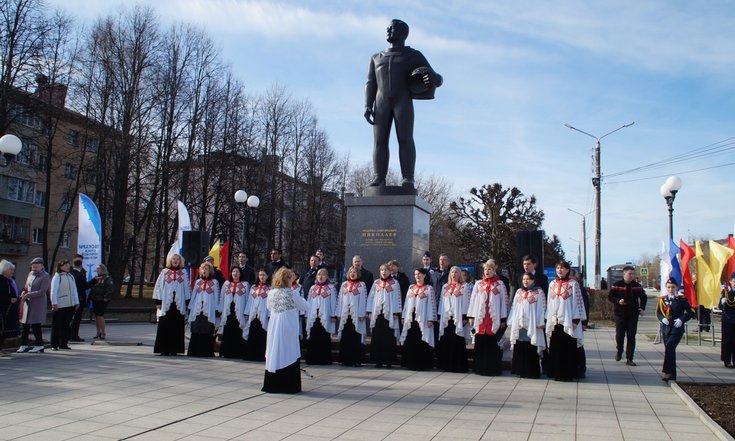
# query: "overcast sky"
514,74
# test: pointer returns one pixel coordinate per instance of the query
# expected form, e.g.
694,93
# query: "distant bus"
615,272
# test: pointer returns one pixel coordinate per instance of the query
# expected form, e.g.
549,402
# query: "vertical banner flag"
184,225
214,252
665,269
674,259
718,257
731,261
224,254
705,280
687,254
89,236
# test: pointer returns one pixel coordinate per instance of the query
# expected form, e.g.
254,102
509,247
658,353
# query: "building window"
21,190
93,145
14,229
38,235
90,176
65,239
73,137
40,199
42,162
67,203
70,171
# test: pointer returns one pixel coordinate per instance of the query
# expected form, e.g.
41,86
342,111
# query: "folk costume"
172,294
203,317
454,331
234,300
282,369
384,307
351,303
727,305
65,300
256,322
564,315
320,324
417,337
488,308
526,327
672,311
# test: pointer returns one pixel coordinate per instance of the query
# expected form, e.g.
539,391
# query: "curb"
718,431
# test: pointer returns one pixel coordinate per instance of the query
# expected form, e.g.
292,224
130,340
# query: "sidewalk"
109,391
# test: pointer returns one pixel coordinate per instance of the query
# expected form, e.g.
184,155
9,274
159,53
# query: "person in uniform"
727,305
673,311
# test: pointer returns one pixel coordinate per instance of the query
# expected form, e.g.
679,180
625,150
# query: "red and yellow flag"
687,254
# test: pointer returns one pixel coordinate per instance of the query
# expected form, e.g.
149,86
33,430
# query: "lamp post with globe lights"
247,204
10,146
668,191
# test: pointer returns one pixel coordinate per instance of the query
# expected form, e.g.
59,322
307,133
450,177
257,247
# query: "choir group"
429,323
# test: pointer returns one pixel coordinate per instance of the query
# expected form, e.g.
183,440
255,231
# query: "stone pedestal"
381,228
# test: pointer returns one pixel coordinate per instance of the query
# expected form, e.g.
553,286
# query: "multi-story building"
37,182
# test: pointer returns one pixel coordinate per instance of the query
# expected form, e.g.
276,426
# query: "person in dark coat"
33,306
539,278
275,263
630,300
673,311
247,272
366,276
218,275
727,304
401,278
308,278
9,326
80,278
101,290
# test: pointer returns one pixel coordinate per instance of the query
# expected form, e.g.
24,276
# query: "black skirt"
170,332
233,345
255,344
318,345
451,350
283,381
202,338
526,362
9,324
417,355
564,356
383,349
488,355
351,348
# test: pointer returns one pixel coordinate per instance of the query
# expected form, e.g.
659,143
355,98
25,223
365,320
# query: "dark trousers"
60,326
626,326
671,341
727,347
76,321
37,334
705,318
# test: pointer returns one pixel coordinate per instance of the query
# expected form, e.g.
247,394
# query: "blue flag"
675,265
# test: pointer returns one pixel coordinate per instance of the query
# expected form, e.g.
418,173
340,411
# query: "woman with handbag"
101,289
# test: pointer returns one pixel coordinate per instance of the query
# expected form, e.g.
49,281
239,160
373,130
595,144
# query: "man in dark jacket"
308,278
366,276
540,279
275,263
80,279
630,300
247,272
401,278
217,272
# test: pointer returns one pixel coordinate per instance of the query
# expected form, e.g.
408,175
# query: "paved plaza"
123,391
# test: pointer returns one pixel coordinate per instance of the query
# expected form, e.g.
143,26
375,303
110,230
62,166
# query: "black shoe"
618,357
630,363
407,182
54,348
378,181
729,366
76,339
65,347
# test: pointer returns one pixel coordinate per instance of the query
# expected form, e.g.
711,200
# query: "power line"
669,174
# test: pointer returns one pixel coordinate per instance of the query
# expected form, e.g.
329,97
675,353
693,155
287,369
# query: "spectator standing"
64,301
80,278
629,300
33,302
9,326
101,290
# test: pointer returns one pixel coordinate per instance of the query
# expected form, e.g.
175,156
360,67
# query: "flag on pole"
664,267
184,224
89,235
687,254
224,255
731,260
674,259
718,257
214,252
707,287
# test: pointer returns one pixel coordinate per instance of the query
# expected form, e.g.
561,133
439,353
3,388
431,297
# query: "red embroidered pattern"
386,284
319,290
352,287
563,290
206,286
259,291
453,289
419,291
238,288
174,276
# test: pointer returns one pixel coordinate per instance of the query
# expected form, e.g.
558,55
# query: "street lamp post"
668,191
583,267
247,204
597,183
10,146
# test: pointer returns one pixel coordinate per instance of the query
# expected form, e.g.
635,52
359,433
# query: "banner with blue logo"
89,240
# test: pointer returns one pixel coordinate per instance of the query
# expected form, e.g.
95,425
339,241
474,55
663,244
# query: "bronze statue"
396,76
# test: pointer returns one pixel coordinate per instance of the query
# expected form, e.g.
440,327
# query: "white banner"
89,238
184,225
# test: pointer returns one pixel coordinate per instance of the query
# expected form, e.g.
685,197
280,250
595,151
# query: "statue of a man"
396,76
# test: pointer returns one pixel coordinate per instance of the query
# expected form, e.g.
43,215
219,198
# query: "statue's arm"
371,89
432,77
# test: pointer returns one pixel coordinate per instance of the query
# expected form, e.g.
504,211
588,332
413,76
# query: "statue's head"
397,31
